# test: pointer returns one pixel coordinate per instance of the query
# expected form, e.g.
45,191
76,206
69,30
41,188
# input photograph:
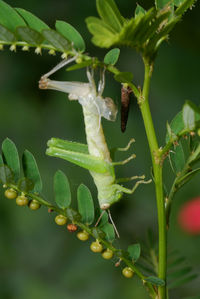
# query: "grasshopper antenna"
115,228
59,66
98,220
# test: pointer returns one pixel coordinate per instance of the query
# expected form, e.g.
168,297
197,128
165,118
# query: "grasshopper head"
111,200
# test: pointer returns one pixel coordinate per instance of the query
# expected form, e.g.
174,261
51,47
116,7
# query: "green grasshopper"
95,156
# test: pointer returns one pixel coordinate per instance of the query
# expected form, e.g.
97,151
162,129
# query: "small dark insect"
125,103
72,227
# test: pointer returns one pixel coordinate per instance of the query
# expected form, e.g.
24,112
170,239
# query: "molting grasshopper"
95,156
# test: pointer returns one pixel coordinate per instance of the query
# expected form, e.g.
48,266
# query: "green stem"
157,169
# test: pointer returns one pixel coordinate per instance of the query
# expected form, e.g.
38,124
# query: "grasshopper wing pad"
68,145
83,160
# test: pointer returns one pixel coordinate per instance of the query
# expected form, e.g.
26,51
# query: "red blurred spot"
189,216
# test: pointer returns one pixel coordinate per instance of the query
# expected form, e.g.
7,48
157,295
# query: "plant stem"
157,170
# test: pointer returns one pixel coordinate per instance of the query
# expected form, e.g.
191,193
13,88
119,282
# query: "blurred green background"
39,259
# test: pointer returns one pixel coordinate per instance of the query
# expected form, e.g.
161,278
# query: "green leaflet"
73,215
56,39
112,56
109,232
188,116
6,175
184,179
97,26
150,31
30,36
110,14
103,35
161,3
98,233
6,35
178,2
177,262
11,157
71,34
182,281
139,10
104,217
31,170
180,272
9,18
155,280
176,126
32,21
85,204
184,6
61,190
25,185
1,160
178,158
134,251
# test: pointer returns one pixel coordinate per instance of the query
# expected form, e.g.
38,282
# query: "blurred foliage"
39,259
